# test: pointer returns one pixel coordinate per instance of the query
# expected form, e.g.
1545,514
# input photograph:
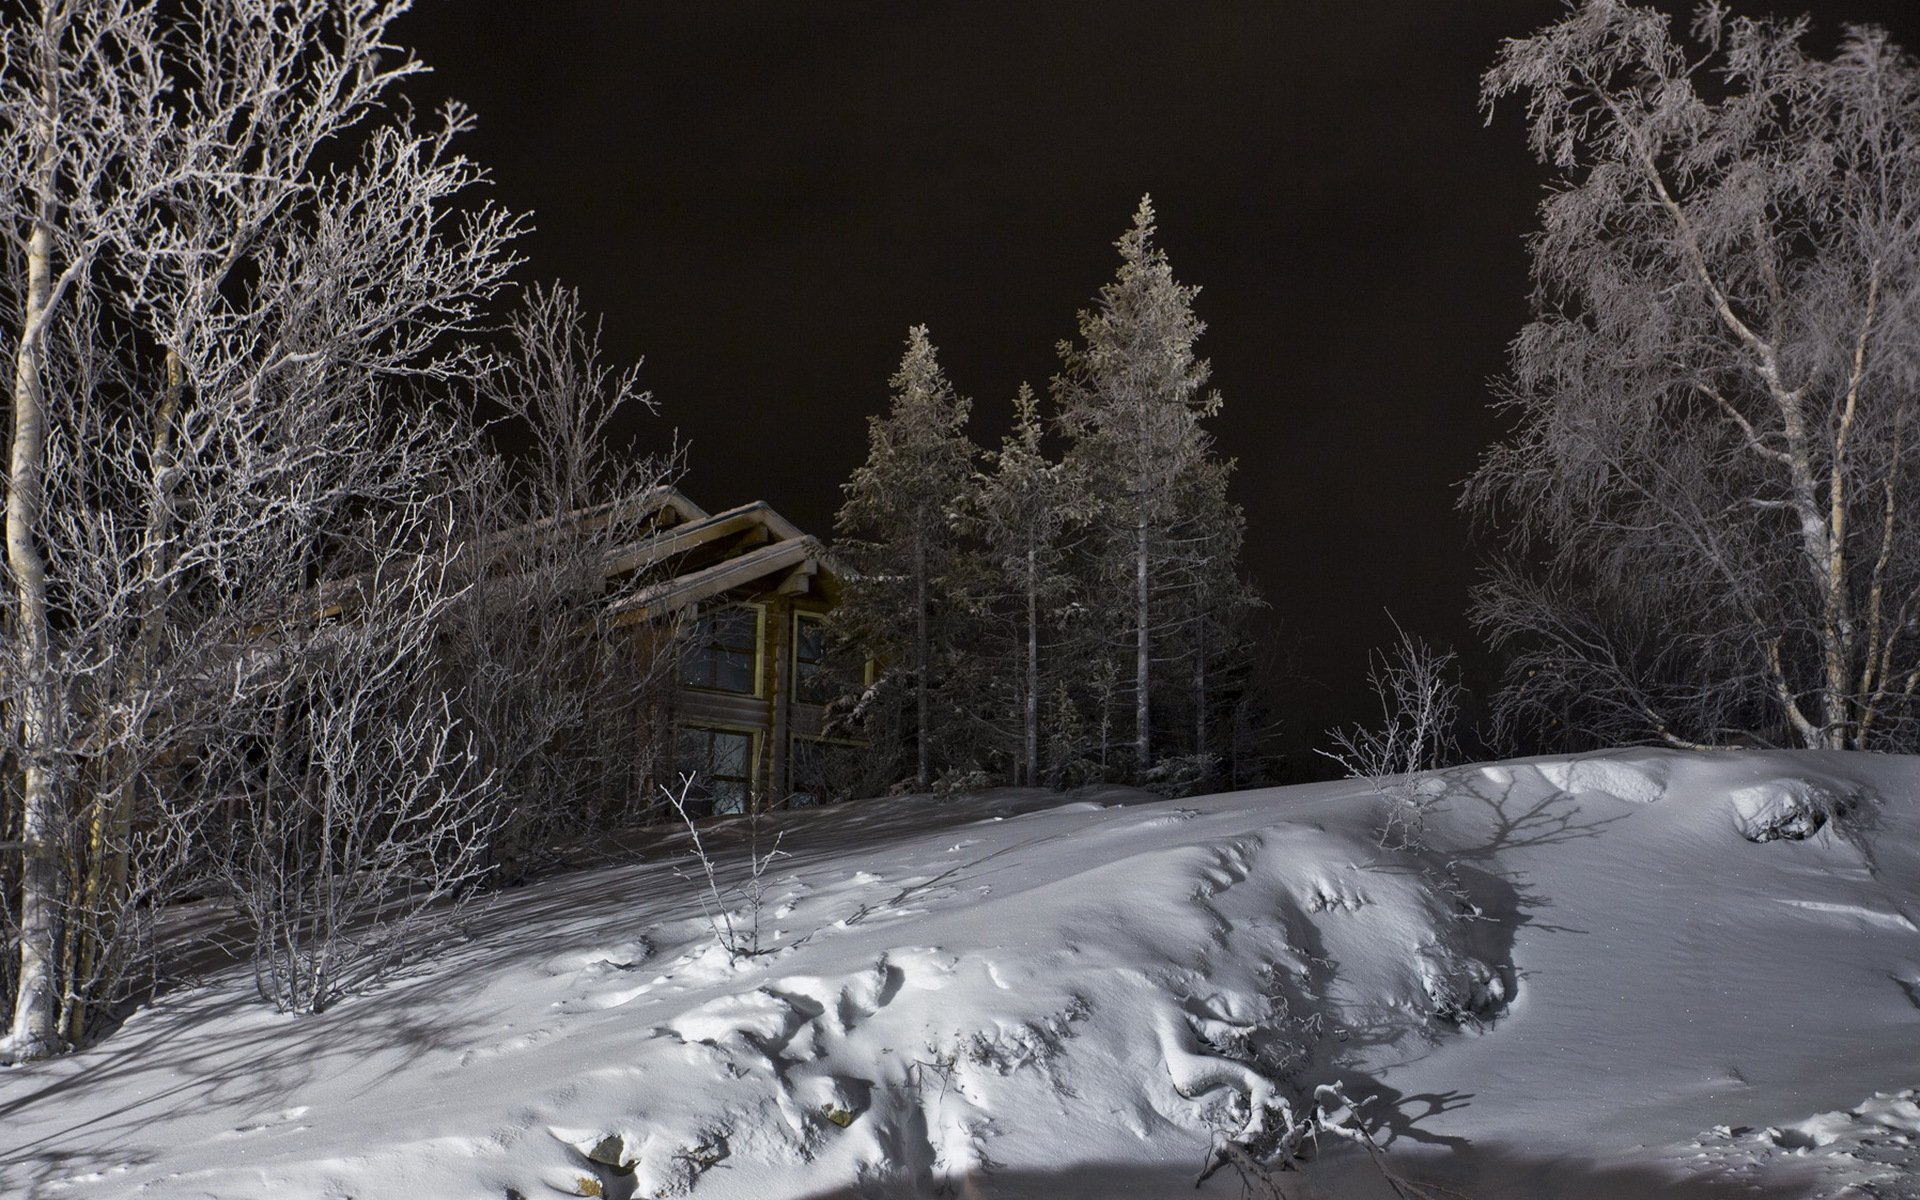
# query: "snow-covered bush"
360,814
1790,809
738,935
1419,695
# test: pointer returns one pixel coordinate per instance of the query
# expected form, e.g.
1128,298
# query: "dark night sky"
762,197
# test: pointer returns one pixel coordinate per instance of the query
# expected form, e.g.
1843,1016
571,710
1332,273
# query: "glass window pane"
729,797
721,762
693,665
810,682
734,628
809,639
730,754
720,651
732,673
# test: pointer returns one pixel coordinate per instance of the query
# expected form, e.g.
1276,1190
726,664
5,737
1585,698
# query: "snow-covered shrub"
1419,695
955,780
362,819
1179,774
1464,990
1789,809
738,936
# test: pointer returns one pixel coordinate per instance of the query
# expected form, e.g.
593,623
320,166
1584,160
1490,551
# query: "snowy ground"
1596,986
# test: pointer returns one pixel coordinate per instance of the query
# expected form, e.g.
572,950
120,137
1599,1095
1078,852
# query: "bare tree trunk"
1822,534
285,239
1771,293
1142,651
105,867
1031,729
1200,684
922,651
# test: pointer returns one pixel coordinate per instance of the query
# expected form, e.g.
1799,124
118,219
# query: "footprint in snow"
279,1120
621,956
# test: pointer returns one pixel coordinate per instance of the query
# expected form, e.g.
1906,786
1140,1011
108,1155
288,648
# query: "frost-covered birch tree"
566,704
1131,397
899,535
227,240
1709,498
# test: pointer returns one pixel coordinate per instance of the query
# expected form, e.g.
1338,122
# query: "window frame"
747,782
798,669
697,647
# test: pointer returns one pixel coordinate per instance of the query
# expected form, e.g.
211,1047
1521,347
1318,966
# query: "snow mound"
1870,1149
1180,990
1585,965
1639,781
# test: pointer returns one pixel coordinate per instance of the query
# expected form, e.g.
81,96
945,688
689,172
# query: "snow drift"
1631,974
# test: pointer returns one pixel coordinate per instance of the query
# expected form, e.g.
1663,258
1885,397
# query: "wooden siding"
745,555
771,711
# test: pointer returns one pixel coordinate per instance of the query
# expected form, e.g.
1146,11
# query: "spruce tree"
1208,600
898,536
1023,507
1131,395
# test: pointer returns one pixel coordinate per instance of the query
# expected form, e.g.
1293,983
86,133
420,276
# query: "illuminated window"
721,763
722,650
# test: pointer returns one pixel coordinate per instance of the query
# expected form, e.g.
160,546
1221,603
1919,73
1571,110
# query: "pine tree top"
918,455
1136,349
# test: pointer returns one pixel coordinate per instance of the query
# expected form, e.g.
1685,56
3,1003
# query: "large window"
723,650
721,763
811,684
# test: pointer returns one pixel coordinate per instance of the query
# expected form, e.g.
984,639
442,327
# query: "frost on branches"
1056,619
1709,501
236,243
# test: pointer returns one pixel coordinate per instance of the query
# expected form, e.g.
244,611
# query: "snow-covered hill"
1596,984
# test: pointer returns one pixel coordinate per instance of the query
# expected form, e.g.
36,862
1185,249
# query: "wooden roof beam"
650,603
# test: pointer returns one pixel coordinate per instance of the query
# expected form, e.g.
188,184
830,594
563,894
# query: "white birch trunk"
36,1005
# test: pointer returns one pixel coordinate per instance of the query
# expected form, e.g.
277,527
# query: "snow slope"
1596,984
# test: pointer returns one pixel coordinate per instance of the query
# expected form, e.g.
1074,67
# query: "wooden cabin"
745,594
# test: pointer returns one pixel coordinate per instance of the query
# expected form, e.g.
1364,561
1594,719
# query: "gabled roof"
796,560
679,539
717,553
664,504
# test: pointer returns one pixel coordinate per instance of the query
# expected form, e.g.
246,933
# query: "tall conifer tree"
1131,395
1208,601
1023,507
898,534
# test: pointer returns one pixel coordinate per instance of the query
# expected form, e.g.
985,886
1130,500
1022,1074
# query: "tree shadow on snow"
1515,822
159,1065
1498,1173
